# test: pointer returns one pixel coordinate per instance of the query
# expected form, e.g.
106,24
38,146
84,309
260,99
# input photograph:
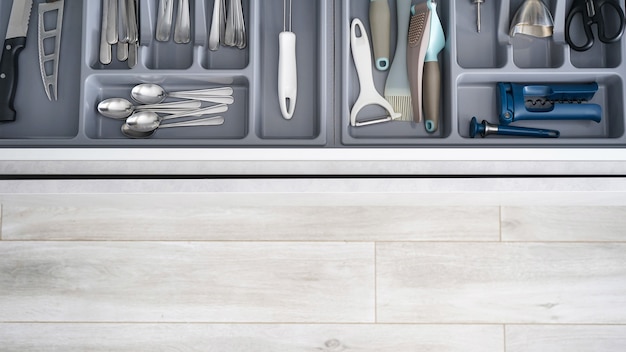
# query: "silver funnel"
532,18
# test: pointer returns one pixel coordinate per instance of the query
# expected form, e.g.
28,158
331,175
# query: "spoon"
130,132
144,121
120,108
148,93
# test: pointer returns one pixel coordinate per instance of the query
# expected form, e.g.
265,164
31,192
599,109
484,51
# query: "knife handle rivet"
8,47
3,76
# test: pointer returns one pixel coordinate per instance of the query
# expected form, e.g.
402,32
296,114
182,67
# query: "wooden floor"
311,278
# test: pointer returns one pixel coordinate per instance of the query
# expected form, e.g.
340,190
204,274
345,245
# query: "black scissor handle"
579,8
602,23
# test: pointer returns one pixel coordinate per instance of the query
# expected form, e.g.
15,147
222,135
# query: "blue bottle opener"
517,102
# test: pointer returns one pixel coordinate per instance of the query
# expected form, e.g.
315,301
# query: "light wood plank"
280,223
588,338
502,282
186,282
245,338
564,223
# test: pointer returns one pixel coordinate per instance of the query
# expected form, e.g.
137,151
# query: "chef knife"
13,45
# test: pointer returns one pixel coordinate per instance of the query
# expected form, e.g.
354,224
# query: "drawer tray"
472,64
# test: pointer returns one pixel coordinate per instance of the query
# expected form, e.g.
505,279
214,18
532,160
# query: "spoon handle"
182,31
194,104
124,36
112,34
164,20
209,121
208,91
210,99
105,48
217,26
216,109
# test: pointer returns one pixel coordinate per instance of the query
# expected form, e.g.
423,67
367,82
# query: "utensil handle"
209,121
124,36
133,26
527,132
206,98
171,106
287,74
112,33
418,38
106,55
224,91
432,95
165,16
216,26
8,77
122,51
216,109
380,21
182,30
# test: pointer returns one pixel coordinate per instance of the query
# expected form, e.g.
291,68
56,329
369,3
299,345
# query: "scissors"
592,12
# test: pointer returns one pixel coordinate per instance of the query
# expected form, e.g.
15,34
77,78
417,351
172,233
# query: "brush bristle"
402,104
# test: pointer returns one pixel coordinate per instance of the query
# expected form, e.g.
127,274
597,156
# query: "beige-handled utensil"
419,34
432,71
380,22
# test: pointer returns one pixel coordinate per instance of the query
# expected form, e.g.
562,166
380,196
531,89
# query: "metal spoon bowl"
120,108
145,121
136,131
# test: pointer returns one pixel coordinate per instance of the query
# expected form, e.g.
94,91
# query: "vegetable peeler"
517,102
362,55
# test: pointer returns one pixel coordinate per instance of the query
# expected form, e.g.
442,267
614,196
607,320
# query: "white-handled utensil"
362,55
287,66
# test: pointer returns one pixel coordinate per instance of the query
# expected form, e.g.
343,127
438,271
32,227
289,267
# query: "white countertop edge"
314,154
316,192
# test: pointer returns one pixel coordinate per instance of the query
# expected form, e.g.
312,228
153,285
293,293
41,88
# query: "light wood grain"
279,223
246,338
186,282
588,338
564,223
501,283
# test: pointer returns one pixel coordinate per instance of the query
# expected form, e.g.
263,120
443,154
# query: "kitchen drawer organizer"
253,120
472,64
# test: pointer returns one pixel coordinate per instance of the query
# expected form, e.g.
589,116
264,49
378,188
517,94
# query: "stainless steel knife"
13,45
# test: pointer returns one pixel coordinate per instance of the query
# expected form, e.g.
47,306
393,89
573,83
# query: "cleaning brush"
397,88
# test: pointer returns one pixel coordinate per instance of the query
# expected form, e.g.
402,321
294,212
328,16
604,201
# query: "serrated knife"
14,42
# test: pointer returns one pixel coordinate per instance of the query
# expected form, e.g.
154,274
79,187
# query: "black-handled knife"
13,45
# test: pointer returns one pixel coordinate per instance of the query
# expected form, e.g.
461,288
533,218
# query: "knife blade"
14,42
